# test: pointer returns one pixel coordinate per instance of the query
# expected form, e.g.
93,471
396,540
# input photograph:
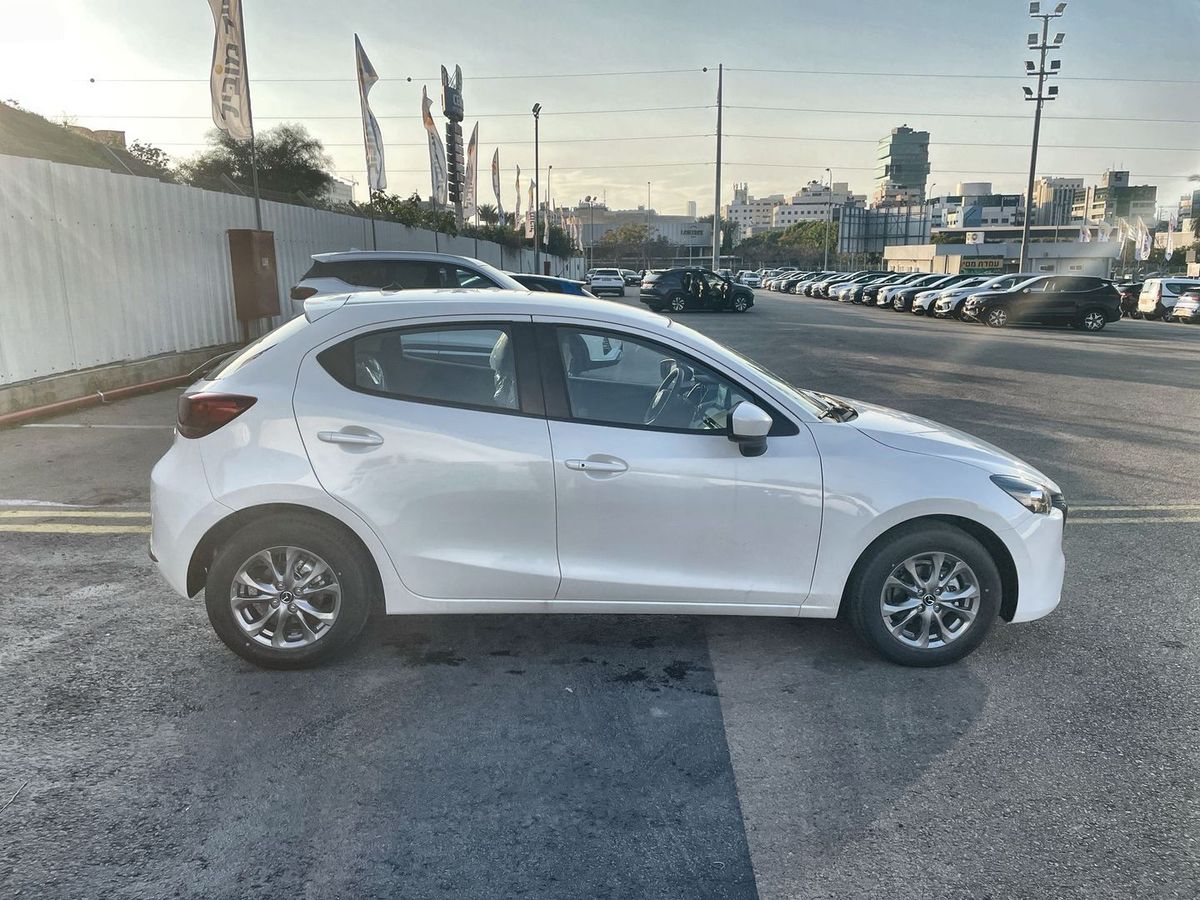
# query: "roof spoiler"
320,305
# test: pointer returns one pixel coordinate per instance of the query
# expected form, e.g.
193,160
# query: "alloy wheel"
739,304
677,304
997,318
930,600
1093,321
285,598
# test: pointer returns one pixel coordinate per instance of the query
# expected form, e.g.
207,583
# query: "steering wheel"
663,397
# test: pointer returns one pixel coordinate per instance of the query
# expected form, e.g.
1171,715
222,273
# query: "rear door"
434,433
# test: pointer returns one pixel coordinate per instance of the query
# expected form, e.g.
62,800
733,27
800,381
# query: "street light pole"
1043,94
716,241
537,192
828,218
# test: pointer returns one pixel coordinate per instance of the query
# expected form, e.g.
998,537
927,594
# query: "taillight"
302,292
201,414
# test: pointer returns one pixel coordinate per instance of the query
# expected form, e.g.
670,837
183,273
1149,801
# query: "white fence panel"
101,268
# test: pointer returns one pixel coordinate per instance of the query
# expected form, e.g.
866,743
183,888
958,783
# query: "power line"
975,171
973,115
957,75
387,144
484,115
940,143
406,78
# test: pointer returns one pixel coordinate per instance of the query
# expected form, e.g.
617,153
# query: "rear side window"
471,366
259,347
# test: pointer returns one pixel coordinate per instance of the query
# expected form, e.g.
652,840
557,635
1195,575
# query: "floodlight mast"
1041,96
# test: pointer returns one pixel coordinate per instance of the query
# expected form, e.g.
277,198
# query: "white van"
1158,295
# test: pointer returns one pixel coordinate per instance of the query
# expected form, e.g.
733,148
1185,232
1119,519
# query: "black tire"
677,303
345,557
885,555
996,317
1091,321
740,304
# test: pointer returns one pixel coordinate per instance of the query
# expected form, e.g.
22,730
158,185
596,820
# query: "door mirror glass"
748,427
602,352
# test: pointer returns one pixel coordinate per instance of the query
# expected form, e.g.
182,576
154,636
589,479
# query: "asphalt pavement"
630,757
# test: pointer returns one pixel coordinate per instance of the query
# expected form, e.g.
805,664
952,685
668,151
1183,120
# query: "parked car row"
1165,299
1083,302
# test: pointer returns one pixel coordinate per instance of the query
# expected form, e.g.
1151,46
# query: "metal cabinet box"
255,281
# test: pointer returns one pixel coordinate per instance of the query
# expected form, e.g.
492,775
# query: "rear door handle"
362,437
606,465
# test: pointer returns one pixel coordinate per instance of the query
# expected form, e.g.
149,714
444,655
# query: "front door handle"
361,437
601,465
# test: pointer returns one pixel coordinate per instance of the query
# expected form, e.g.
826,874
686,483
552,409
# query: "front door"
434,434
655,503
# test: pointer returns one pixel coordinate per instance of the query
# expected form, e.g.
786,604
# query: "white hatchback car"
607,281
456,452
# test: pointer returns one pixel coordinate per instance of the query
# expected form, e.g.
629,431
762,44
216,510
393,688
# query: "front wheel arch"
206,548
990,540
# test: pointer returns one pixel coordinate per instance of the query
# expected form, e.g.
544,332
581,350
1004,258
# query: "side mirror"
748,428
602,351
1026,291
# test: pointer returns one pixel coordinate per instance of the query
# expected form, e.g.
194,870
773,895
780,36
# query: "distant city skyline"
149,62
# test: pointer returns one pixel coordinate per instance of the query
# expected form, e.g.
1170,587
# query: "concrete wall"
102,268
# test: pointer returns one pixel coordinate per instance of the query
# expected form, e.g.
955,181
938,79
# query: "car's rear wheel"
996,318
677,302
926,596
288,592
1092,320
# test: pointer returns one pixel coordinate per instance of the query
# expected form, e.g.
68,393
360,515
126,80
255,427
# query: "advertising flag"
517,208
1103,232
1144,241
532,212
471,185
496,184
372,136
227,81
1085,234
437,153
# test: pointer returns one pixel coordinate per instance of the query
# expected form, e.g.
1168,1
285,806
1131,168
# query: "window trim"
558,404
530,398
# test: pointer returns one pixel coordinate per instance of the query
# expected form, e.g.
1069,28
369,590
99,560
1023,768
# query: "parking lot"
571,756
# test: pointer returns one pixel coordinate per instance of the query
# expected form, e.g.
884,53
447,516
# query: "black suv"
1075,300
680,289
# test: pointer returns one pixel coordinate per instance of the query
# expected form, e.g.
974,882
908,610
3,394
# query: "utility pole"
828,218
716,260
537,192
1043,94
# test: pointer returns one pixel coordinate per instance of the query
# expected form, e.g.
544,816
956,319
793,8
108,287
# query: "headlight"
1037,498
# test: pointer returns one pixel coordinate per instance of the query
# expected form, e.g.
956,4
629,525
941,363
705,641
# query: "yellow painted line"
1131,520
72,528
1184,506
72,514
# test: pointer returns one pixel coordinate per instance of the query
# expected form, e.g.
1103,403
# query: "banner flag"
1144,241
227,81
471,183
437,153
372,136
496,185
1085,234
1103,232
517,208
529,217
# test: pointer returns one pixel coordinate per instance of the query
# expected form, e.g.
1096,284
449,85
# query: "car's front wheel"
288,592
996,317
740,304
926,595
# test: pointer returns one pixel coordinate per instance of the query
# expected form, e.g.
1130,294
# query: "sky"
951,67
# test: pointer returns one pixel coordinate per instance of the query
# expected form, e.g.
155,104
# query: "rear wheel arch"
206,549
990,540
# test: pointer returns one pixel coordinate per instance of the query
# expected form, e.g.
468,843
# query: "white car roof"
474,301
353,255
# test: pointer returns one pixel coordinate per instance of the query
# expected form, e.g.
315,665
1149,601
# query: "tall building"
814,202
902,168
974,204
1052,200
691,208
1114,197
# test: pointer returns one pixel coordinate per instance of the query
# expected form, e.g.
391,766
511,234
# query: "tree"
800,244
488,214
290,161
729,230
152,157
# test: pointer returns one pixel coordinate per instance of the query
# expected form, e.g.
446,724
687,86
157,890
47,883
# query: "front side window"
619,380
471,366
